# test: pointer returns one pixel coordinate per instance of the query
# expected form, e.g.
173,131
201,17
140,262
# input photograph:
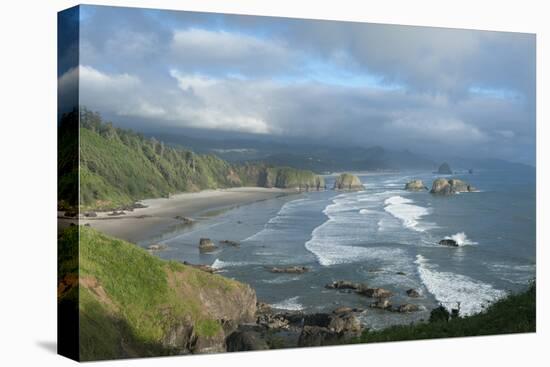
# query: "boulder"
413,293
448,242
445,169
245,340
375,292
90,214
290,270
206,245
273,322
443,186
415,185
382,303
345,322
345,284
347,181
407,307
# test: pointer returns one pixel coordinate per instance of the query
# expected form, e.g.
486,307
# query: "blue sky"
471,93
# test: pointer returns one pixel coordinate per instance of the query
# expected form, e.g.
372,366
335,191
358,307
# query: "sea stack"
415,185
347,181
443,186
445,169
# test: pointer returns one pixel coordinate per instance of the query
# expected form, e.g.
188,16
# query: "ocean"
383,236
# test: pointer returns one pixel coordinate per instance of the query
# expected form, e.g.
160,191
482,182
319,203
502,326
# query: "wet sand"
159,217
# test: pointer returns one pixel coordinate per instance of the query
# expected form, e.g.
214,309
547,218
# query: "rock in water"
206,245
383,304
375,292
408,307
290,270
448,242
415,185
443,186
347,181
445,169
413,293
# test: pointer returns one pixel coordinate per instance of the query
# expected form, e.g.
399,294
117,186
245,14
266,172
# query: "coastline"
159,216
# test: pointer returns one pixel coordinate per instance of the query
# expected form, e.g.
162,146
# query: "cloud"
402,87
196,48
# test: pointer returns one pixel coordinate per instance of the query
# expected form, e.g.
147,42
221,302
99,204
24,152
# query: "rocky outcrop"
290,270
382,303
448,242
375,292
408,307
347,181
245,340
413,293
443,186
445,169
206,245
345,284
415,185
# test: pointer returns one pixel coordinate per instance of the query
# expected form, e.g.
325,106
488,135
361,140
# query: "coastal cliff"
119,167
133,304
347,181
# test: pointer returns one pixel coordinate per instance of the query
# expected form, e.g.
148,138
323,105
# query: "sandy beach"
159,217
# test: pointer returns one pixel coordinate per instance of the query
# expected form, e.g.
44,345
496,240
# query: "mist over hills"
319,158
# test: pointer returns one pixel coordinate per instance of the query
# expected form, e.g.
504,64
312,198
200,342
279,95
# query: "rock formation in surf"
347,181
443,186
415,185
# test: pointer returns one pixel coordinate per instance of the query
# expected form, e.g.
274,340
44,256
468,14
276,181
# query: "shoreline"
159,215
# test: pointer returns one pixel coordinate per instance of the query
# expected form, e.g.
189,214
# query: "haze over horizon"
462,92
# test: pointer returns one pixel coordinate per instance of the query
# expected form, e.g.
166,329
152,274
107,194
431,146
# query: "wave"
403,209
450,289
461,239
363,211
283,217
290,304
220,264
280,280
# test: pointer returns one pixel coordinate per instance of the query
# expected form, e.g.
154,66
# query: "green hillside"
135,304
118,167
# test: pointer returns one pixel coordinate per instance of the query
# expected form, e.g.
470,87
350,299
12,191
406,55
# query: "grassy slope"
118,167
514,314
125,295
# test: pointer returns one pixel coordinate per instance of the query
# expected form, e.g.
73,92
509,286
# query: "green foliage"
118,167
514,314
126,294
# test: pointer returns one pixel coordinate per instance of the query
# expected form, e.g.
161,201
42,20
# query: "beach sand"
159,216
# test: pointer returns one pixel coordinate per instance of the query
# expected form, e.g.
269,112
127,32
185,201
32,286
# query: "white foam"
461,239
450,288
363,211
290,304
409,214
219,264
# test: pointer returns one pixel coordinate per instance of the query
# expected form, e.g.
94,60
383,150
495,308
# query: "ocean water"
375,236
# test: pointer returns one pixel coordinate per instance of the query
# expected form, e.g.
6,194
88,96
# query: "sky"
463,92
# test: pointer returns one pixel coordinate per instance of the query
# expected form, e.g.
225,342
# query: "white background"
28,182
